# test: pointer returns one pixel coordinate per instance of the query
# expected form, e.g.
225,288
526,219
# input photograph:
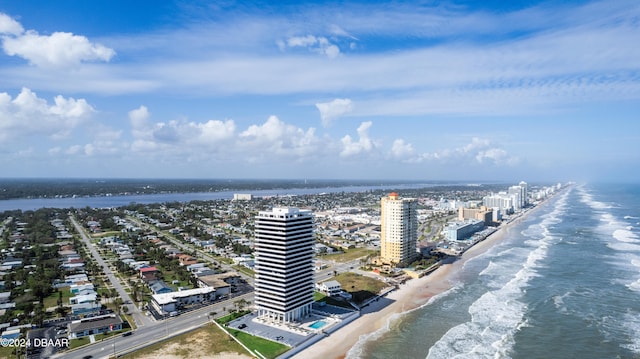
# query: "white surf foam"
358,348
624,247
625,235
496,316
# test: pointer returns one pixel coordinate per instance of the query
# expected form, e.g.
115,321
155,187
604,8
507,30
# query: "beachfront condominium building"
398,229
501,201
525,192
284,246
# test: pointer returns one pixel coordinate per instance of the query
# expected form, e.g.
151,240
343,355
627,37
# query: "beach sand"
410,295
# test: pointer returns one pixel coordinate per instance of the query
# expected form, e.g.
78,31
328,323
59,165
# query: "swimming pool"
318,324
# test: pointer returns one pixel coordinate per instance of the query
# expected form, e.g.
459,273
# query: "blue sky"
535,91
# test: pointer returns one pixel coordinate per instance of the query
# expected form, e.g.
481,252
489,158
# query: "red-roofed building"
187,260
149,273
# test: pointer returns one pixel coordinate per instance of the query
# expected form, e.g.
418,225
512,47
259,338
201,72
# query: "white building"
330,287
242,197
525,192
502,201
170,302
284,247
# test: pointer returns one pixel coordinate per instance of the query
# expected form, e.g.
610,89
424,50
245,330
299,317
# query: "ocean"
564,282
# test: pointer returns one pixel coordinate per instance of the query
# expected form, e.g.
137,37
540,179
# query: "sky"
401,90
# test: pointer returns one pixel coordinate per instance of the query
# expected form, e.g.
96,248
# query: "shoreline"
409,296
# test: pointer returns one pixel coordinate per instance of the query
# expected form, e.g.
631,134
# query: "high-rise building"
525,192
284,264
516,193
501,201
398,230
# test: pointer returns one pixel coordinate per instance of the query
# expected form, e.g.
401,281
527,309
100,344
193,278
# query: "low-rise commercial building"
170,302
95,325
462,230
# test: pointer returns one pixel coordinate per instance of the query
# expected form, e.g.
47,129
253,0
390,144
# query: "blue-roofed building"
160,287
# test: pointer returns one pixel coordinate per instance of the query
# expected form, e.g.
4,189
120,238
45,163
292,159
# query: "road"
137,315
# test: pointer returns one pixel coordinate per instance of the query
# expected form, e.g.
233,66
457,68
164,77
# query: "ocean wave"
609,219
558,302
631,217
634,286
495,317
587,199
358,348
492,269
624,235
624,247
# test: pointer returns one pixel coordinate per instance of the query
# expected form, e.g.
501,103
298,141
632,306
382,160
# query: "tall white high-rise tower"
284,264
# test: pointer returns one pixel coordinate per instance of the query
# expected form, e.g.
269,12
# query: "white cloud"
179,137
402,150
363,145
302,41
214,131
74,150
476,143
29,115
60,49
139,119
320,45
275,137
329,111
480,151
9,26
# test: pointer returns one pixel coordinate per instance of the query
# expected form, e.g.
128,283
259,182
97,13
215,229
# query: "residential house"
330,288
149,274
84,298
160,287
186,260
85,308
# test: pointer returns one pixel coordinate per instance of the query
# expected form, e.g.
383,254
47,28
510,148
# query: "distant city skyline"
461,90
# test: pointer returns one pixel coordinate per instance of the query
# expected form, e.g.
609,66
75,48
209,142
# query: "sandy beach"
411,295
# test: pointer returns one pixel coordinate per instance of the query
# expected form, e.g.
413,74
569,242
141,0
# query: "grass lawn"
244,270
349,255
230,317
209,340
361,287
319,297
132,322
224,260
7,352
265,347
106,234
170,276
52,300
74,343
